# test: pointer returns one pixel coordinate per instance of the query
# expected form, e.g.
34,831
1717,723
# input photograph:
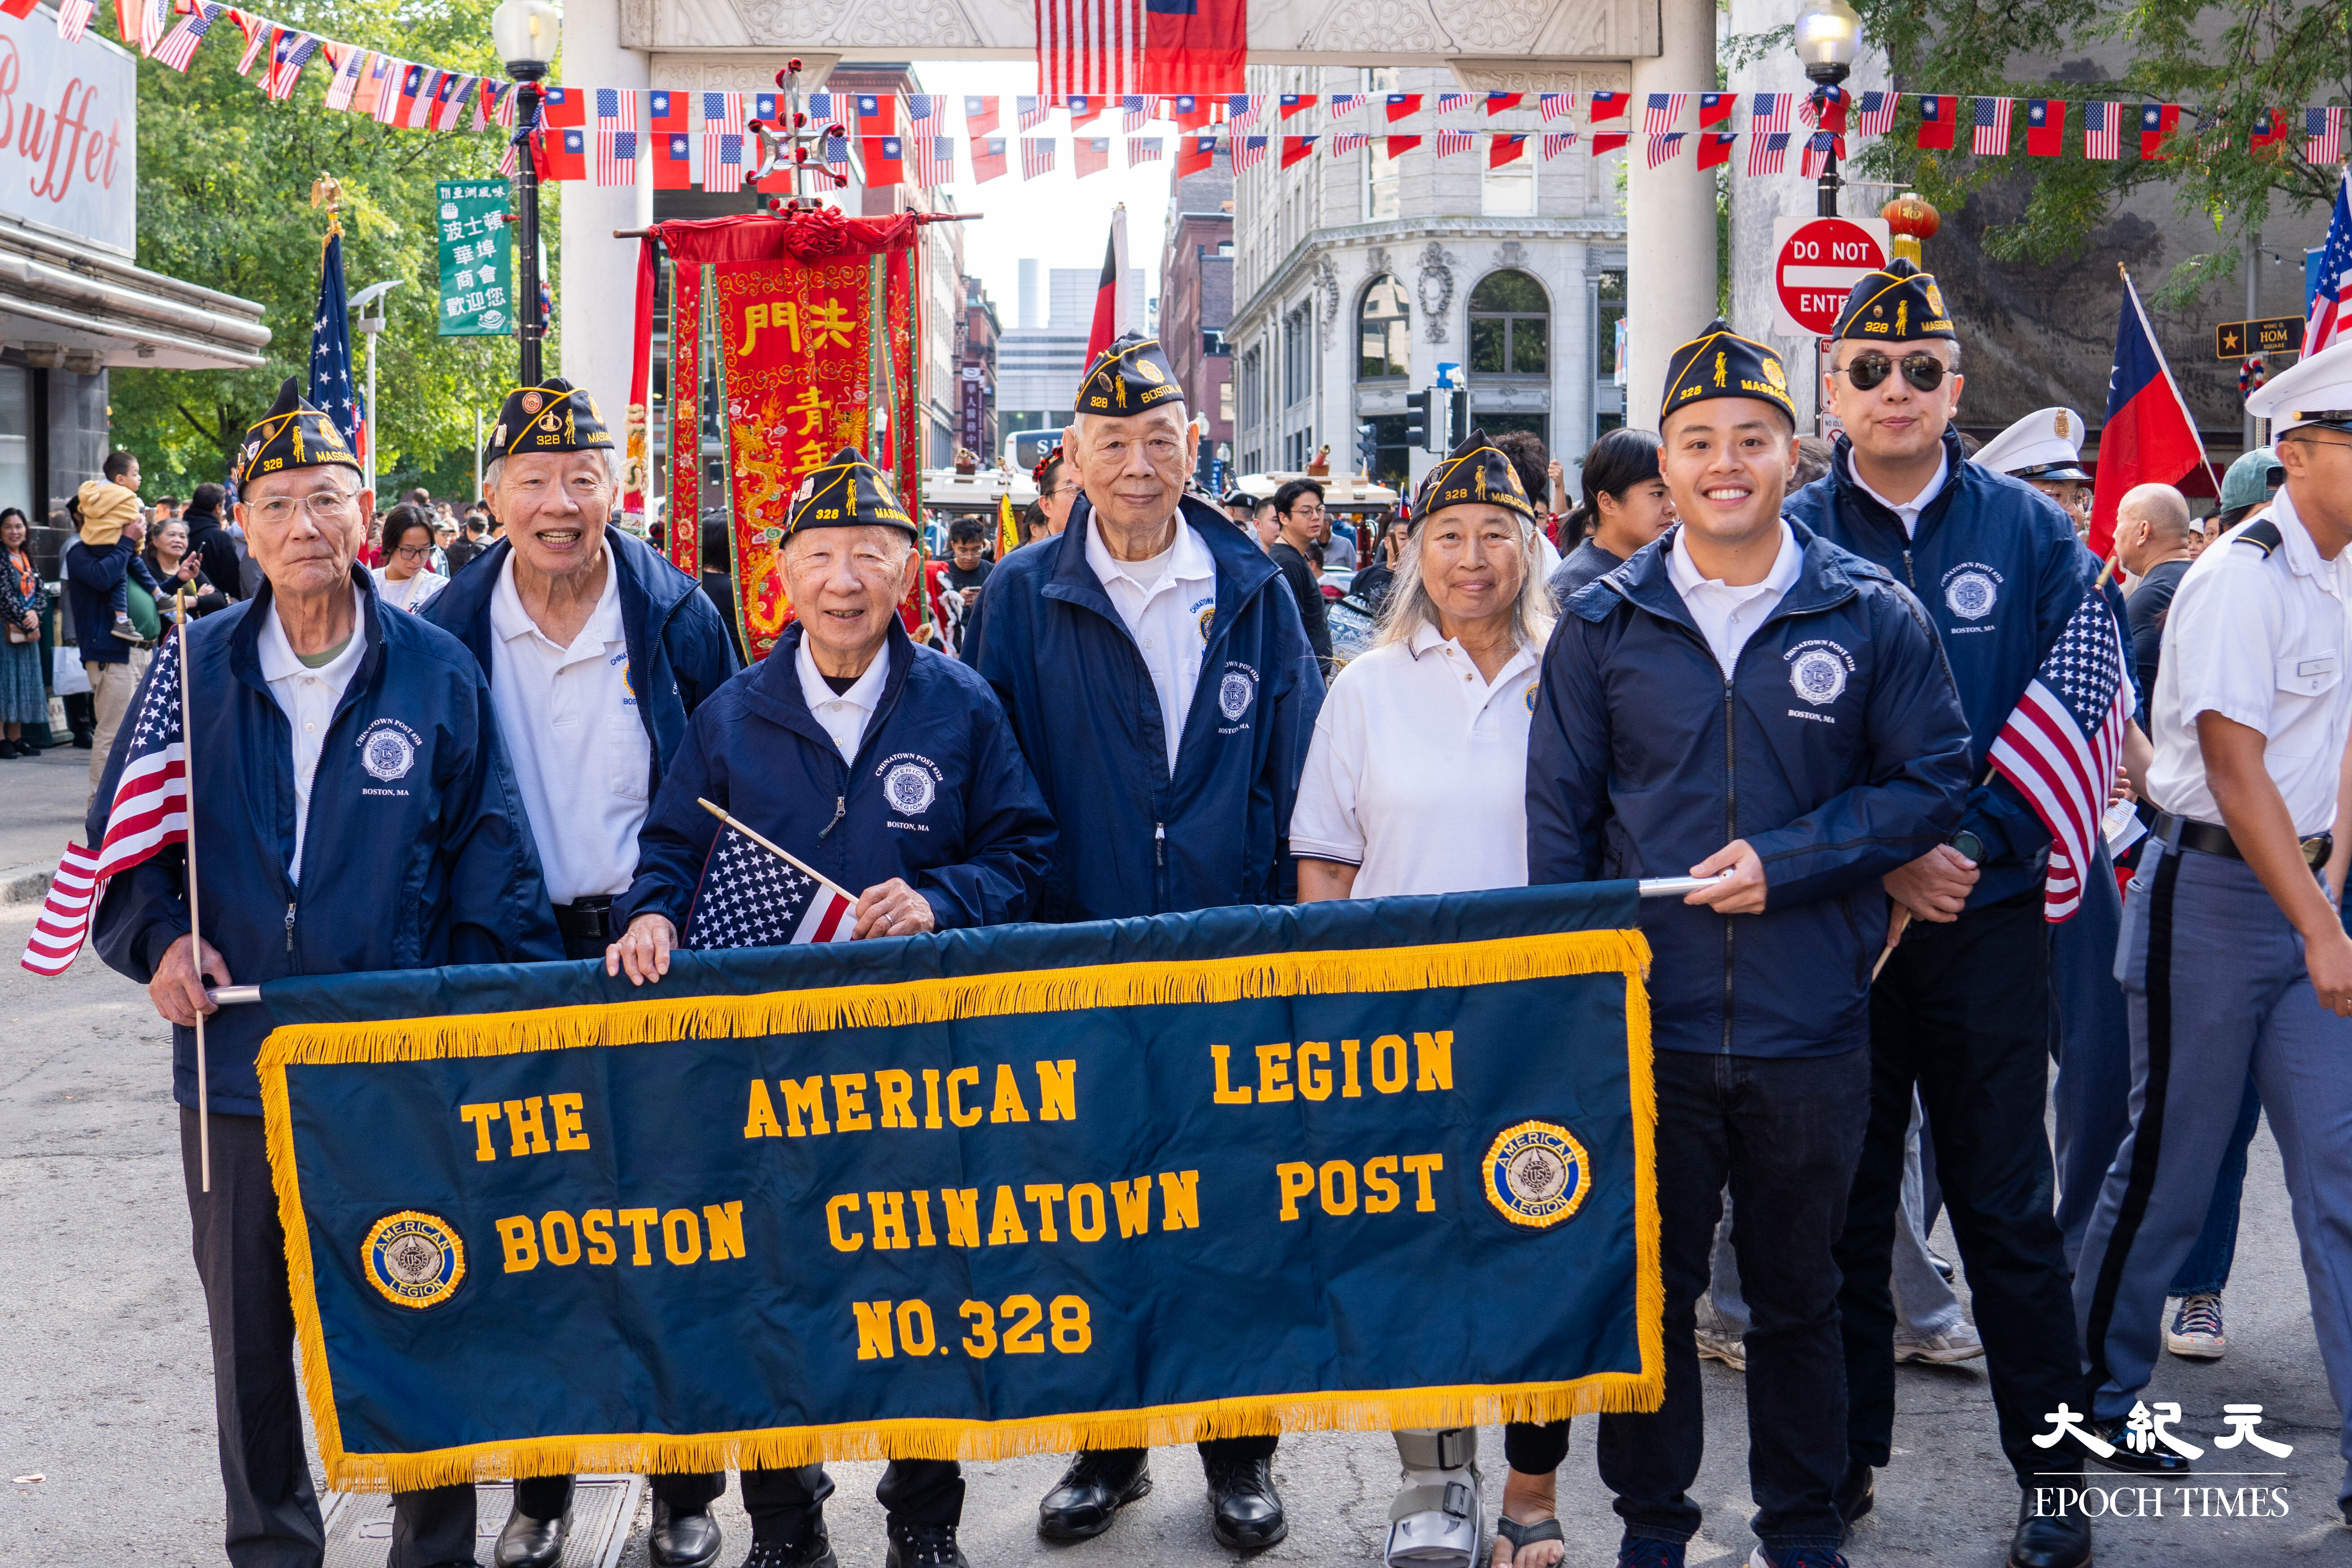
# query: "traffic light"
1416,414
1367,448
1457,418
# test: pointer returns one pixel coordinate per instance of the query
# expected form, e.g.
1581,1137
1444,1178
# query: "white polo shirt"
581,754
844,717
1909,510
309,699
1165,603
1418,772
2260,640
1728,617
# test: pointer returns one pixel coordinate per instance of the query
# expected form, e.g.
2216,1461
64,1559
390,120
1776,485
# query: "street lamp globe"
1828,32
526,33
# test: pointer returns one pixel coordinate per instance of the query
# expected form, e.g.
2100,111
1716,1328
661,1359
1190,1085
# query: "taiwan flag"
2158,122
2149,437
1296,149
1090,154
1194,154
563,154
877,114
1939,116
2045,127
665,113
1194,46
1401,104
2270,130
673,160
884,160
563,106
1190,110
987,158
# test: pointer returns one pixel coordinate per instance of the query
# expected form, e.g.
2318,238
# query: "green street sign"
476,258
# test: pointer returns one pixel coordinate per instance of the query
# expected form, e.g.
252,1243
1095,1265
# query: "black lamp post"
526,33
1828,32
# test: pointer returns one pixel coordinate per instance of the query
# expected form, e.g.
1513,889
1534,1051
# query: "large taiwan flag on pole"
1195,46
2149,436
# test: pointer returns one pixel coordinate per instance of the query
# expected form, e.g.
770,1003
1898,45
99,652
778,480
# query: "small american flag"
1660,112
1249,151
1037,156
1449,142
288,55
722,139
1769,111
934,161
1347,103
1555,143
1089,47
257,38
616,136
1032,111
2331,302
1241,109
751,897
1551,106
1991,121
179,47
837,152
347,78
1142,150
1346,141
923,105
2103,135
2062,746
147,812
1447,102
454,97
2323,135
1768,153
1133,111
1875,114
73,18
1662,149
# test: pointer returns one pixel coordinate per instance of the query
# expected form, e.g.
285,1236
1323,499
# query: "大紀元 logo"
414,1259
1537,1175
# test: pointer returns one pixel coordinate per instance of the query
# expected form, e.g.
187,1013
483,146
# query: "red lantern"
1910,220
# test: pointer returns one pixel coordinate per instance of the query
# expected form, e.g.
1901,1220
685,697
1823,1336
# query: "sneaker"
125,630
2195,1331
1640,1552
1731,1351
1958,1344
1795,1557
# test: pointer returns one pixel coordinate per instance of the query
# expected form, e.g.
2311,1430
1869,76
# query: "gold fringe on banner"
647,1022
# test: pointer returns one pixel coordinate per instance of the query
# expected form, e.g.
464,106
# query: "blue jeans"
2206,1270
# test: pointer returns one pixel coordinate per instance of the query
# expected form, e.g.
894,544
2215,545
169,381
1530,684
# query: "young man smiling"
1961,1011
1745,700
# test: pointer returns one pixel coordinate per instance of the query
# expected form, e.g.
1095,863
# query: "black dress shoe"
813,1550
682,1540
1248,1514
2157,1461
527,1542
2055,1538
1856,1492
1092,1491
922,1545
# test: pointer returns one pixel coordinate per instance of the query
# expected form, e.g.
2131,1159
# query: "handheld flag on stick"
1008,527
1105,326
754,894
2061,746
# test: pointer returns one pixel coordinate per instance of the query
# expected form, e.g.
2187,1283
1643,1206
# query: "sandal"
1522,1535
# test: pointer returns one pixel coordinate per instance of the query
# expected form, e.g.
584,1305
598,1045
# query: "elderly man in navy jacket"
596,650
891,769
1960,1011
353,811
1160,677
1744,700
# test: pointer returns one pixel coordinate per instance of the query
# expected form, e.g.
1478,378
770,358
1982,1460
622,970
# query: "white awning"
68,303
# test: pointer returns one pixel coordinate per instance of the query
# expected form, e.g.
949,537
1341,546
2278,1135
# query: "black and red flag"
1106,323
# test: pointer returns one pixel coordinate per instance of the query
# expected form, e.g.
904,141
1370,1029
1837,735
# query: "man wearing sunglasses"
1960,1010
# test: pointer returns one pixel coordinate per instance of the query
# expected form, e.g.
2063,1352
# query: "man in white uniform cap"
2234,953
2045,450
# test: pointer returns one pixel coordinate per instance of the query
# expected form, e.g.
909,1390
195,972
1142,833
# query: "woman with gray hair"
1416,783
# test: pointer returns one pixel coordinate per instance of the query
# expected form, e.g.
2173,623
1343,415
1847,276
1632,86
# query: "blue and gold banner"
1345,1165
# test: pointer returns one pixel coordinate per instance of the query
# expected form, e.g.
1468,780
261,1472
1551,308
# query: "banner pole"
195,919
785,854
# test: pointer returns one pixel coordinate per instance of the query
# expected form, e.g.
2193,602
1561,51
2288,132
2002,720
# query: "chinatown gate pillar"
1670,221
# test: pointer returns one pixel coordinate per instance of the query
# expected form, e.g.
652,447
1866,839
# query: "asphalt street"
105,1386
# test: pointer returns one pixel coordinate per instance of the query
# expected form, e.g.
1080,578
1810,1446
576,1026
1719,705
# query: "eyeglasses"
1922,370
326,505
413,552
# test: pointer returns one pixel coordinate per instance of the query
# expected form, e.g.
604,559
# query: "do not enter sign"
1816,262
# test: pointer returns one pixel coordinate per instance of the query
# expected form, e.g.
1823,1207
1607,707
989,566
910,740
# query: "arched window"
1510,326
1382,331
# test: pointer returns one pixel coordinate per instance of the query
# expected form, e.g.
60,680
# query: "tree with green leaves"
2225,62
224,187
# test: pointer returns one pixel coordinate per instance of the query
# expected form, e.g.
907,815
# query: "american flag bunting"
1551,106
1660,112
1449,142
1768,153
1143,150
722,140
287,57
1037,156
1769,111
616,136
1031,111
2103,135
1346,141
2323,135
1555,143
347,78
1447,102
1873,113
1990,116
1662,149
1134,109
934,161
73,18
179,47
1347,103
1248,152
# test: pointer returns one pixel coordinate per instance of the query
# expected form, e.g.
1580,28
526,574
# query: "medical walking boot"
1438,1517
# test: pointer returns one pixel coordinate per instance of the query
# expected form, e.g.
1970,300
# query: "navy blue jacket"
1837,750
422,858
91,577
977,850
1136,840
679,652
2000,571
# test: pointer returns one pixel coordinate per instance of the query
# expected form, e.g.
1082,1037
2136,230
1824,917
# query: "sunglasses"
1922,370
